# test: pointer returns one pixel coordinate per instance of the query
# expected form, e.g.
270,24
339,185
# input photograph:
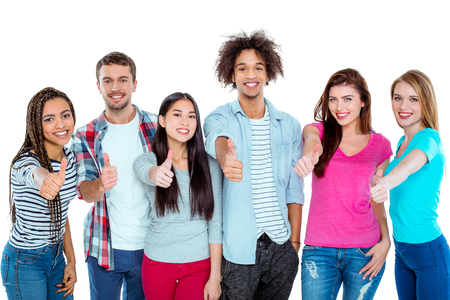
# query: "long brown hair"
332,134
425,91
34,140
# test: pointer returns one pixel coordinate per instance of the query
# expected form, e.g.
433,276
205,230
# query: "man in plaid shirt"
116,225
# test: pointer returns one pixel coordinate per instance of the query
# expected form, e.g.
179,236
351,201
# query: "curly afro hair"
258,41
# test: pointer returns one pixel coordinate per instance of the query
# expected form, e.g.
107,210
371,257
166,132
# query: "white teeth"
341,115
61,133
183,130
404,115
250,84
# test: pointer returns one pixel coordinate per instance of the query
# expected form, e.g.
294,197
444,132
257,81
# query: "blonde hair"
424,88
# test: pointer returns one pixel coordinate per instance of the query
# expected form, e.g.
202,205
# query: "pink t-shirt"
340,214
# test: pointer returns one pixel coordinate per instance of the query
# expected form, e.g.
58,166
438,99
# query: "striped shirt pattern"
268,215
32,227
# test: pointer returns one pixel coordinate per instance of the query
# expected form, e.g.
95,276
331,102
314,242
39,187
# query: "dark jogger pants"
271,277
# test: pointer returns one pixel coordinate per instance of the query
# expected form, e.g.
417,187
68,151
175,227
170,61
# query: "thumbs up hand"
109,174
378,188
231,166
305,165
52,184
163,175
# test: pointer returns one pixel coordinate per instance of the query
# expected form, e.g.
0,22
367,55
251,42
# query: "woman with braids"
183,247
347,238
413,179
43,181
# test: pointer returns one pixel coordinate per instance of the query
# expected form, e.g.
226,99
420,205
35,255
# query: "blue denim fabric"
422,271
324,269
33,273
106,285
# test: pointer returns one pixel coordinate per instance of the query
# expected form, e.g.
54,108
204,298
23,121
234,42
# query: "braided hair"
34,140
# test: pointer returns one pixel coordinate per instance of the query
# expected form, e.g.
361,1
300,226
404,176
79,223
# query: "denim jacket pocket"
28,256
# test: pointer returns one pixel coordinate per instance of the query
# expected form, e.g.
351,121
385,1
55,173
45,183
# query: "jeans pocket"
363,251
4,268
307,248
28,256
224,267
445,252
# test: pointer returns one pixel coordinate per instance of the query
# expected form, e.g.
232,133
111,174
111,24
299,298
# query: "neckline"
363,150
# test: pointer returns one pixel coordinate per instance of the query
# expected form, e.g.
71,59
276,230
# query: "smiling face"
57,123
180,122
250,75
406,106
345,105
116,86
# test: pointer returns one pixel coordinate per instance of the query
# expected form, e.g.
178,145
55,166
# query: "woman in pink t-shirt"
347,238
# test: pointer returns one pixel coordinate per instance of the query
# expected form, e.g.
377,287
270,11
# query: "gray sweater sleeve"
142,165
215,224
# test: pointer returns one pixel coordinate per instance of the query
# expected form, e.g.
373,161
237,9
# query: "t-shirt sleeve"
429,143
215,224
386,150
318,126
23,171
142,165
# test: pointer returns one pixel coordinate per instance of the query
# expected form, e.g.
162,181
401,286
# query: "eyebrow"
52,115
191,112
411,96
243,64
123,76
346,96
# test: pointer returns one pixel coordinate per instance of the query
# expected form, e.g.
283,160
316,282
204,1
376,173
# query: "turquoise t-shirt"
414,202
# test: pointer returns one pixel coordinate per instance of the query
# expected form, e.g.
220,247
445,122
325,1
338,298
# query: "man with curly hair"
257,147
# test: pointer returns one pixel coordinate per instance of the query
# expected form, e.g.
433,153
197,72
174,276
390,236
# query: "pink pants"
185,281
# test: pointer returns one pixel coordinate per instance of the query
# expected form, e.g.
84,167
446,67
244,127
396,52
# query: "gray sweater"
176,237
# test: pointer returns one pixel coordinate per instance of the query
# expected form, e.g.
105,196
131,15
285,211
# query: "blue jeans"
106,285
324,269
33,273
422,271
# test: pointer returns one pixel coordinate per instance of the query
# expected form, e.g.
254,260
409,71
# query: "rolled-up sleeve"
216,125
86,166
294,192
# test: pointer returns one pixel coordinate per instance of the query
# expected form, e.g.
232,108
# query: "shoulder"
27,158
429,133
147,116
379,138
281,115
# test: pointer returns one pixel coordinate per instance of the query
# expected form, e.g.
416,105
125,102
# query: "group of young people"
177,217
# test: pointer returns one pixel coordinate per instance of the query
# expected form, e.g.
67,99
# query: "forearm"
221,149
295,219
39,174
415,160
92,191
216,260
68,245
380,213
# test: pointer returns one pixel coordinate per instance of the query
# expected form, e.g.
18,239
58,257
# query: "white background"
174,45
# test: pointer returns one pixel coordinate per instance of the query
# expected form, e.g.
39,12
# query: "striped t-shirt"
32,227
268,215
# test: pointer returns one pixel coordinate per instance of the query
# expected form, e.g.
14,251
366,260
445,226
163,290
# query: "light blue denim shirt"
239,224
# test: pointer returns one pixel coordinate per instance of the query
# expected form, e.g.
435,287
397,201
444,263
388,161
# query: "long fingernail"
63,285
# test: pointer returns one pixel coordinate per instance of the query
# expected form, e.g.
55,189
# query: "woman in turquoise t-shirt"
422,255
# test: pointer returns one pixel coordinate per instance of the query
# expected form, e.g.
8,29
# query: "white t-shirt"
128,206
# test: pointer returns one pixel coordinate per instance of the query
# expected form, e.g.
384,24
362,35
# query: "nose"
404,104
115,86
59,123
184,120
251,74
340,105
